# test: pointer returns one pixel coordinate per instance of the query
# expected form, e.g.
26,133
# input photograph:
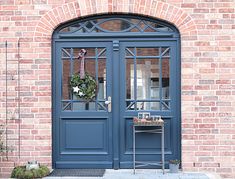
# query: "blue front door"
135,75
83,131
149,82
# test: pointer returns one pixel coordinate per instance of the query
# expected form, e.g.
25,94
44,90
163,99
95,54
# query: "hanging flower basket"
85,88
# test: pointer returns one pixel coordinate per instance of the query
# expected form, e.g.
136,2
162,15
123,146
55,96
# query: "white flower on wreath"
81,93
76,89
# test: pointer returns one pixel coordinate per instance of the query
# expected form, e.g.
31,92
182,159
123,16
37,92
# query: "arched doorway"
135,61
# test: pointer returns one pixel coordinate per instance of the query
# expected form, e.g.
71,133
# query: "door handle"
109,103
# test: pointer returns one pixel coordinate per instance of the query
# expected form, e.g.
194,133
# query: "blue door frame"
118,123
110,135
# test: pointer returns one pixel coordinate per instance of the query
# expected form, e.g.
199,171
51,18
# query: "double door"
132,77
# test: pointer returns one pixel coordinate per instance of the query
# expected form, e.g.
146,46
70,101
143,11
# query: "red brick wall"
208,71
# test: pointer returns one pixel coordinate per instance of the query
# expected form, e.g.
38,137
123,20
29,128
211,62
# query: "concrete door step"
146,174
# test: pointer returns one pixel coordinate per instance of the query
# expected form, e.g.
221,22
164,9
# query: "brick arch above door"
79,8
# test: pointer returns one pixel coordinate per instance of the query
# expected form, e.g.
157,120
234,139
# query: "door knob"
109,103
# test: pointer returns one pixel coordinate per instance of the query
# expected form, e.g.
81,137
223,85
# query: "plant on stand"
174,166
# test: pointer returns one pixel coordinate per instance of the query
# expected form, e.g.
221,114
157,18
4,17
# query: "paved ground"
145,174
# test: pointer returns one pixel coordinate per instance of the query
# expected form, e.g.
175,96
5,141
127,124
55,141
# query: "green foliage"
87,87
176,161
20,172
3,148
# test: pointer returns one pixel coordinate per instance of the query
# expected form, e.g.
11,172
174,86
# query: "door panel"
146,85
83,129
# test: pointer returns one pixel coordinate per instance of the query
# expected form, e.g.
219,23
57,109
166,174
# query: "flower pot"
174,168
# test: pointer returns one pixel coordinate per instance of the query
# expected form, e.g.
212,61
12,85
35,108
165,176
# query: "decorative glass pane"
147,78
130,105
89,24
165,52
66,106
66,53
149,29
130,52
163,28
130,79
71,28
66,79
165,105
101,52
134,30
114,24
101,106
142,25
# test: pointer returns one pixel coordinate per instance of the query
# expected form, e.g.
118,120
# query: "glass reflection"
148,106
165,78
101,79
95,66
147,74
129,79
65,79
148,78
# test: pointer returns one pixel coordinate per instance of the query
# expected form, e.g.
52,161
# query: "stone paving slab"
145,174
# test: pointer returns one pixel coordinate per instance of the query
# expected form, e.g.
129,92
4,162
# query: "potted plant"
174,166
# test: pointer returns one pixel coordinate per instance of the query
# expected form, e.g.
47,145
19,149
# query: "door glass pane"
147,78
165,78
90,67
101,79
130,79
82,105
147,51
65,80
148,105
76,66
95,66
90,52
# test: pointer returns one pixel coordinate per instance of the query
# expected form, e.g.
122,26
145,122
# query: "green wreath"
84,88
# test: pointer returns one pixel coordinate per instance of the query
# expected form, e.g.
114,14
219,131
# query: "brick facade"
207,74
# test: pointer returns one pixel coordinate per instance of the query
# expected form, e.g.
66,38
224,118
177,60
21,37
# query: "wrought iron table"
156,130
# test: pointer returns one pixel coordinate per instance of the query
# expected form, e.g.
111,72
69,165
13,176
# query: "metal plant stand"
156,131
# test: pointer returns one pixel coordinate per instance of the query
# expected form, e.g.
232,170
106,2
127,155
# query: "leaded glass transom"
116,24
